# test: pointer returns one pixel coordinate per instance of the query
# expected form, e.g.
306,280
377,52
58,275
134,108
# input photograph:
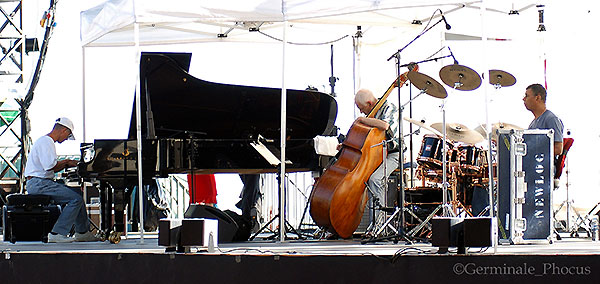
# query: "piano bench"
28,217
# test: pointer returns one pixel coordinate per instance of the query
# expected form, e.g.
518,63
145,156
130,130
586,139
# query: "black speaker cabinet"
28,217
461,233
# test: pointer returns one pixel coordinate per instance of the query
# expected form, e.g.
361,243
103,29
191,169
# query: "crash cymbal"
495,126
460,77
421,123
427,84
502,78
459,132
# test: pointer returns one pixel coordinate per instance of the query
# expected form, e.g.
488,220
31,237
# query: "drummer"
535,101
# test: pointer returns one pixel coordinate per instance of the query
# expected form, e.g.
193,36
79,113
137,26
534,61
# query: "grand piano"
194,126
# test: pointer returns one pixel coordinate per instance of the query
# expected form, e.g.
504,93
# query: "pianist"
40,168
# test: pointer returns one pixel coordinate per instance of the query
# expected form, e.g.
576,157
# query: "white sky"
571,64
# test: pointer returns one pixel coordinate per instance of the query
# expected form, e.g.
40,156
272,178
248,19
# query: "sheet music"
265,153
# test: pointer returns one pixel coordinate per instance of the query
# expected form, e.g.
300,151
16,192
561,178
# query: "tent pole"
282,138
138,118
488,127
83,92
83,187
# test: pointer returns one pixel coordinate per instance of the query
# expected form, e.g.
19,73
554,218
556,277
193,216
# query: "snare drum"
430,155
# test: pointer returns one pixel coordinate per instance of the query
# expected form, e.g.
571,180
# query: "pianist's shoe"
58,238
86,237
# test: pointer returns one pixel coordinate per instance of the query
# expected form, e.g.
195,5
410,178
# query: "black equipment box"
28,217
525,185
188,232
461,233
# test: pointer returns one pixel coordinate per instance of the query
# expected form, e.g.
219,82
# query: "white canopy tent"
150,23
190,21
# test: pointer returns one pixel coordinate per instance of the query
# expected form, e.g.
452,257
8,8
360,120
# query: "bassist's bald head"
365,100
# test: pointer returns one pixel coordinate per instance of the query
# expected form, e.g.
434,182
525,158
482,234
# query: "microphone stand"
397,53
426,60
401,142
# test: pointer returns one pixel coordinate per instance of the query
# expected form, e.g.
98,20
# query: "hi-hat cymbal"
460,77
502,78
421,123
459,132
427,84
495,126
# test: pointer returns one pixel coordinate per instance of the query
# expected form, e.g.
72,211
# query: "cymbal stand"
445,205
573,230
397,56
411,100
423,223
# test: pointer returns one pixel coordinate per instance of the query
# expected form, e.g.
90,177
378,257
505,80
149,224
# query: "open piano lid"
183,106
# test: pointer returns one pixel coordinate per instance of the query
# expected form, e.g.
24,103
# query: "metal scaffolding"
12,40
13,47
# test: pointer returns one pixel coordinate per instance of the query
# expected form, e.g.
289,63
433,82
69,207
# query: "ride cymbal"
459,132
421,123
460,77
427,84
502,78
495,126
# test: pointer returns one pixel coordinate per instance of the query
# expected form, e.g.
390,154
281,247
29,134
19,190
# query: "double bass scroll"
338,199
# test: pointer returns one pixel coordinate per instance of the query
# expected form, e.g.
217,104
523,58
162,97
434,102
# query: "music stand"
275,162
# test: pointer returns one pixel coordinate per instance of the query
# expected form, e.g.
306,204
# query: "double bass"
338,199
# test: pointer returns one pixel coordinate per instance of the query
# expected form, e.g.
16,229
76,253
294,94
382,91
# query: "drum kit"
449,157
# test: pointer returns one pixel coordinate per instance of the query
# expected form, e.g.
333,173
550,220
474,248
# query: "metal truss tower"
13,47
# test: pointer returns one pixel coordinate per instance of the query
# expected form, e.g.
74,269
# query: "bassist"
385,119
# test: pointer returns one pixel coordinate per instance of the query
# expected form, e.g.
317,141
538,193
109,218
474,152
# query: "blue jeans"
70,200
377,183
378,179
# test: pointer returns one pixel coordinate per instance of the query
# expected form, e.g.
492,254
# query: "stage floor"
296,261
133,244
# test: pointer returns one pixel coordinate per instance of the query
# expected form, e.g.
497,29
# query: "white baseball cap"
68,124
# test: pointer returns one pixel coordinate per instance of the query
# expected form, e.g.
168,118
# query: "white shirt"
42,158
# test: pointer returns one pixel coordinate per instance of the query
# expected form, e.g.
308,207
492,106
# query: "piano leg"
105,207
112,200
119,201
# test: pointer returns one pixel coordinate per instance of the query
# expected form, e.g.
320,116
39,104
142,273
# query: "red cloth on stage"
204,189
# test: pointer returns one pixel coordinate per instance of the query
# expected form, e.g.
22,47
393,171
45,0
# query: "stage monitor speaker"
461,233
182,234
228,228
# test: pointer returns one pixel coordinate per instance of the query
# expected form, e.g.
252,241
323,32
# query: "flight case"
525,184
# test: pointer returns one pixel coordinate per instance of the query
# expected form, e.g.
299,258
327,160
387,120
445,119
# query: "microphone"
452,54
447,25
